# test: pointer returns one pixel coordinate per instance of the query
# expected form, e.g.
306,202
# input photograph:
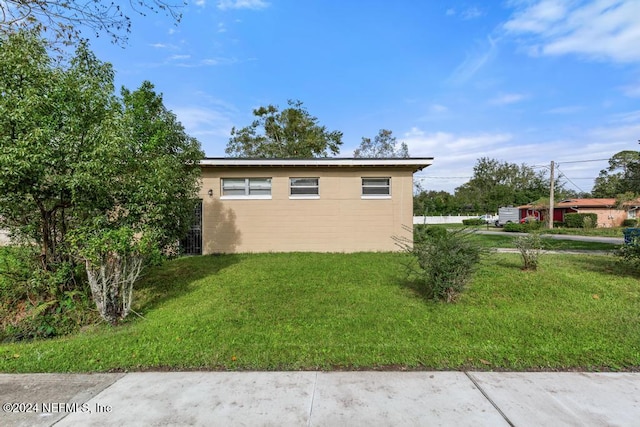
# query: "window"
376,187
304,188
243,188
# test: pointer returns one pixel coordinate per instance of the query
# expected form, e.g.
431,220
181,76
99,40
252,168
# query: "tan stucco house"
315,205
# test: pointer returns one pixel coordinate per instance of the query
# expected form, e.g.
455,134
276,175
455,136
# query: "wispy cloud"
438,108
210,126
201,3
599,30
569,109
472,13
242,4
474,61
507,98
632,91
466,14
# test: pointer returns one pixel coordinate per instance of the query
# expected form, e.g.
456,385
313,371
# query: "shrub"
529,247
444,263
630,222
473,221
422,232
558,224
576,220
630,252
531,226
513,227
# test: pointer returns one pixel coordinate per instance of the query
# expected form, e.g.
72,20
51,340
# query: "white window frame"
247,189
375,196
304,196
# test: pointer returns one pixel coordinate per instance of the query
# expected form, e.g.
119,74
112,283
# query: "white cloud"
179,57
242,4
508,98
450,12
632,91
211,127
472,13
569,109
438,108
474,62
201,3
455,155
600,30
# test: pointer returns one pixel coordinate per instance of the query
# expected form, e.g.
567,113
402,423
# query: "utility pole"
551,202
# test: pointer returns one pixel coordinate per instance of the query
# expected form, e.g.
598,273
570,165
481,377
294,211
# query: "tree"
86,175
289,133
383,145
496,184
434,203
63,19
53,124
622,175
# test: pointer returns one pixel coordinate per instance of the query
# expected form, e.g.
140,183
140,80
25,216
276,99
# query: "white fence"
443,219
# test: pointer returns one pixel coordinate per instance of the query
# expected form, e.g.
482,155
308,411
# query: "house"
607,210
315,205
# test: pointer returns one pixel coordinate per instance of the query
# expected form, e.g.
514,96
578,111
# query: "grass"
357,311
602,232
507,241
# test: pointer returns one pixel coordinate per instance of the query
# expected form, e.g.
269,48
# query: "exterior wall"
338,221
607,217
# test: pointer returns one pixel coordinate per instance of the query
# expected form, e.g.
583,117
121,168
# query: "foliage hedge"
577,220
473,221
630,222
526,227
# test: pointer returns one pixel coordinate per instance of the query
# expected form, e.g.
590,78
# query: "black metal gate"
192,242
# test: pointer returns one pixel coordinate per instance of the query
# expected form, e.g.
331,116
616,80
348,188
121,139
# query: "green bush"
529,247
557,224
577,220
514,227
630,222
473,221
444,263
422,232
36,303
630,253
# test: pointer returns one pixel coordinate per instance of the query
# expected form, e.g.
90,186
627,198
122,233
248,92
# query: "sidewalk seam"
313,396
473,380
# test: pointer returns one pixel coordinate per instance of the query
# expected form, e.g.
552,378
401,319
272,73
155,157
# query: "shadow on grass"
176,277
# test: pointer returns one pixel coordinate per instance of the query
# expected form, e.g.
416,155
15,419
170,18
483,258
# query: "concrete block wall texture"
340,219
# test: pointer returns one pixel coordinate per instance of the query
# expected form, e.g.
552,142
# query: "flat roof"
417,163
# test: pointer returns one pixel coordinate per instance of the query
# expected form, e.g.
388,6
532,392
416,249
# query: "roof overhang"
415,163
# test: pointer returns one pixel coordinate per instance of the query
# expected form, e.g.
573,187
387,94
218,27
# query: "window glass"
246,186
304,186
376,186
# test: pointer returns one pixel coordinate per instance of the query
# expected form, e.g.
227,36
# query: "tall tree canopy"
495,183
289,133
622,175
65,19
71,151
383,145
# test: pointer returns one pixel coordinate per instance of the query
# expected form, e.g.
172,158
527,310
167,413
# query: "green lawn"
356,311
506,240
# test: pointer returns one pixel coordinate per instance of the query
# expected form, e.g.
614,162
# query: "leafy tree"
289,133
622,175
496,184
63,19
435,203
76,160
383,145
53,125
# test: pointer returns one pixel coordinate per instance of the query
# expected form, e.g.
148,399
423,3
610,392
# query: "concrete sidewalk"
321,399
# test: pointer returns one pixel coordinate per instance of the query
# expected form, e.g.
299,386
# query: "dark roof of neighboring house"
416,163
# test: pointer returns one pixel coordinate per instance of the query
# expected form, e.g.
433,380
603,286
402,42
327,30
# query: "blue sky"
525,81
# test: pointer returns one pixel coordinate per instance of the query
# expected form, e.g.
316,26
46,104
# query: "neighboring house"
607,210
315,205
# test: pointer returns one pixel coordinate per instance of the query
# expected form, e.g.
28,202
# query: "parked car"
487,219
